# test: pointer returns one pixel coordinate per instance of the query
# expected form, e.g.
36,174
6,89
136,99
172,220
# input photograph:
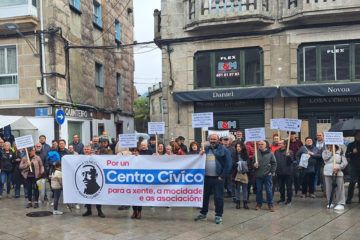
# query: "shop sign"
226,124
78,113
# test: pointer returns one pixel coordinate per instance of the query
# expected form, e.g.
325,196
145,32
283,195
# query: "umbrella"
348,127
334,186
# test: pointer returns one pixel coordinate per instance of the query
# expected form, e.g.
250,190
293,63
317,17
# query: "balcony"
206,13
320,11
22,12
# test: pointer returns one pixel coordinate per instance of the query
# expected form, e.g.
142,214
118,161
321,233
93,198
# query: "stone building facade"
59,62
251,61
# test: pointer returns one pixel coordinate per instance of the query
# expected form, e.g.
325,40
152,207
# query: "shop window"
228,68
8,73
328,63
357,61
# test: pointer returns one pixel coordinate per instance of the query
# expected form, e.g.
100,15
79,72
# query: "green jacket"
267,163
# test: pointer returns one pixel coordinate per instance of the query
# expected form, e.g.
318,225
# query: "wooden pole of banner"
28,158
256,153
202,139
334,160
279,134
288,143
156,143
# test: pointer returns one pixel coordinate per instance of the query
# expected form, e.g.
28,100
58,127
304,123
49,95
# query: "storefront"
321,106
234,109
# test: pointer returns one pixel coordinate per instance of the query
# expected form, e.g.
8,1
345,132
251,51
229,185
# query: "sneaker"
258,207
339,207
52,204
56,212
302,196
312,196
77,206
36,205
330,206
218,220
288,202
200,217
29,205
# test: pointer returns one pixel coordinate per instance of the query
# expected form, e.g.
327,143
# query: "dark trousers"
137,208
308,183
32,188
297,180
57,194
285,180
354,178
88,207
214,186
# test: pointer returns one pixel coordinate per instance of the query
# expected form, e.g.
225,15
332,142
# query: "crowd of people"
232,169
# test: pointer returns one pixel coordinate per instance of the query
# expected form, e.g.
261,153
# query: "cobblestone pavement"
304,219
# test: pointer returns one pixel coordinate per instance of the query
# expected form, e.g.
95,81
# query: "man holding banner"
217,167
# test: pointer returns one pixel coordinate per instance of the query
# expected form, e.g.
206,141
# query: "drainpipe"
43,57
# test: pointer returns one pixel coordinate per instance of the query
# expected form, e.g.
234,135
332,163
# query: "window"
6,3
34,3
152,106
117,31
8,66
228,68
329,62
75,4
357,61
161,104
118,84
97,18
99,75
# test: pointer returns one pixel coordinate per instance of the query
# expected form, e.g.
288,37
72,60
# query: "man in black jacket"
353,156
284,171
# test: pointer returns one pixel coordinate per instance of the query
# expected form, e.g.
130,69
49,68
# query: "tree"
142,113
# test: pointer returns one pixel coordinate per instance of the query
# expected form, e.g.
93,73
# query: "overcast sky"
147,65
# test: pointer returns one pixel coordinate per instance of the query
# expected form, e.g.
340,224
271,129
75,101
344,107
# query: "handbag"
241,177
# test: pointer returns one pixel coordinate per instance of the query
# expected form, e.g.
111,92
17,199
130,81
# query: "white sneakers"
331,206
339,207
77,206
56,212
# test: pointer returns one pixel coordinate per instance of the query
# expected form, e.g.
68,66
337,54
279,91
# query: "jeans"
215,186
308,183
32,188
57,194
285,180
267,181
241,187
5,177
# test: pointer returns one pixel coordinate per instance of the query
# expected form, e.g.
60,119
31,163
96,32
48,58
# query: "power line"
102,34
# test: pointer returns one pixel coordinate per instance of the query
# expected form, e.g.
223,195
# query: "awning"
16,123
321,90
225,94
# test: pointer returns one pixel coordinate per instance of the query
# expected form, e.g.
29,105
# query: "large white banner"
169,180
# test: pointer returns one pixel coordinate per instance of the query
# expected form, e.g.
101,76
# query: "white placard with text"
24,141
336,138
200,120
156,127
254,134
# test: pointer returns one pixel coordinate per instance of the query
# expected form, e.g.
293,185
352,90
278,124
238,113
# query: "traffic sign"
60,116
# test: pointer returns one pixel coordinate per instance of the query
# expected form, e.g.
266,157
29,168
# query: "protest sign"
336,138
289,124
254,134
127,140
200,120
168,180
24,142
276,123
221,134
156,127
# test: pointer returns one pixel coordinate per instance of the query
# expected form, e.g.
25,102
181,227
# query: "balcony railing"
18,8
294,9
202,12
